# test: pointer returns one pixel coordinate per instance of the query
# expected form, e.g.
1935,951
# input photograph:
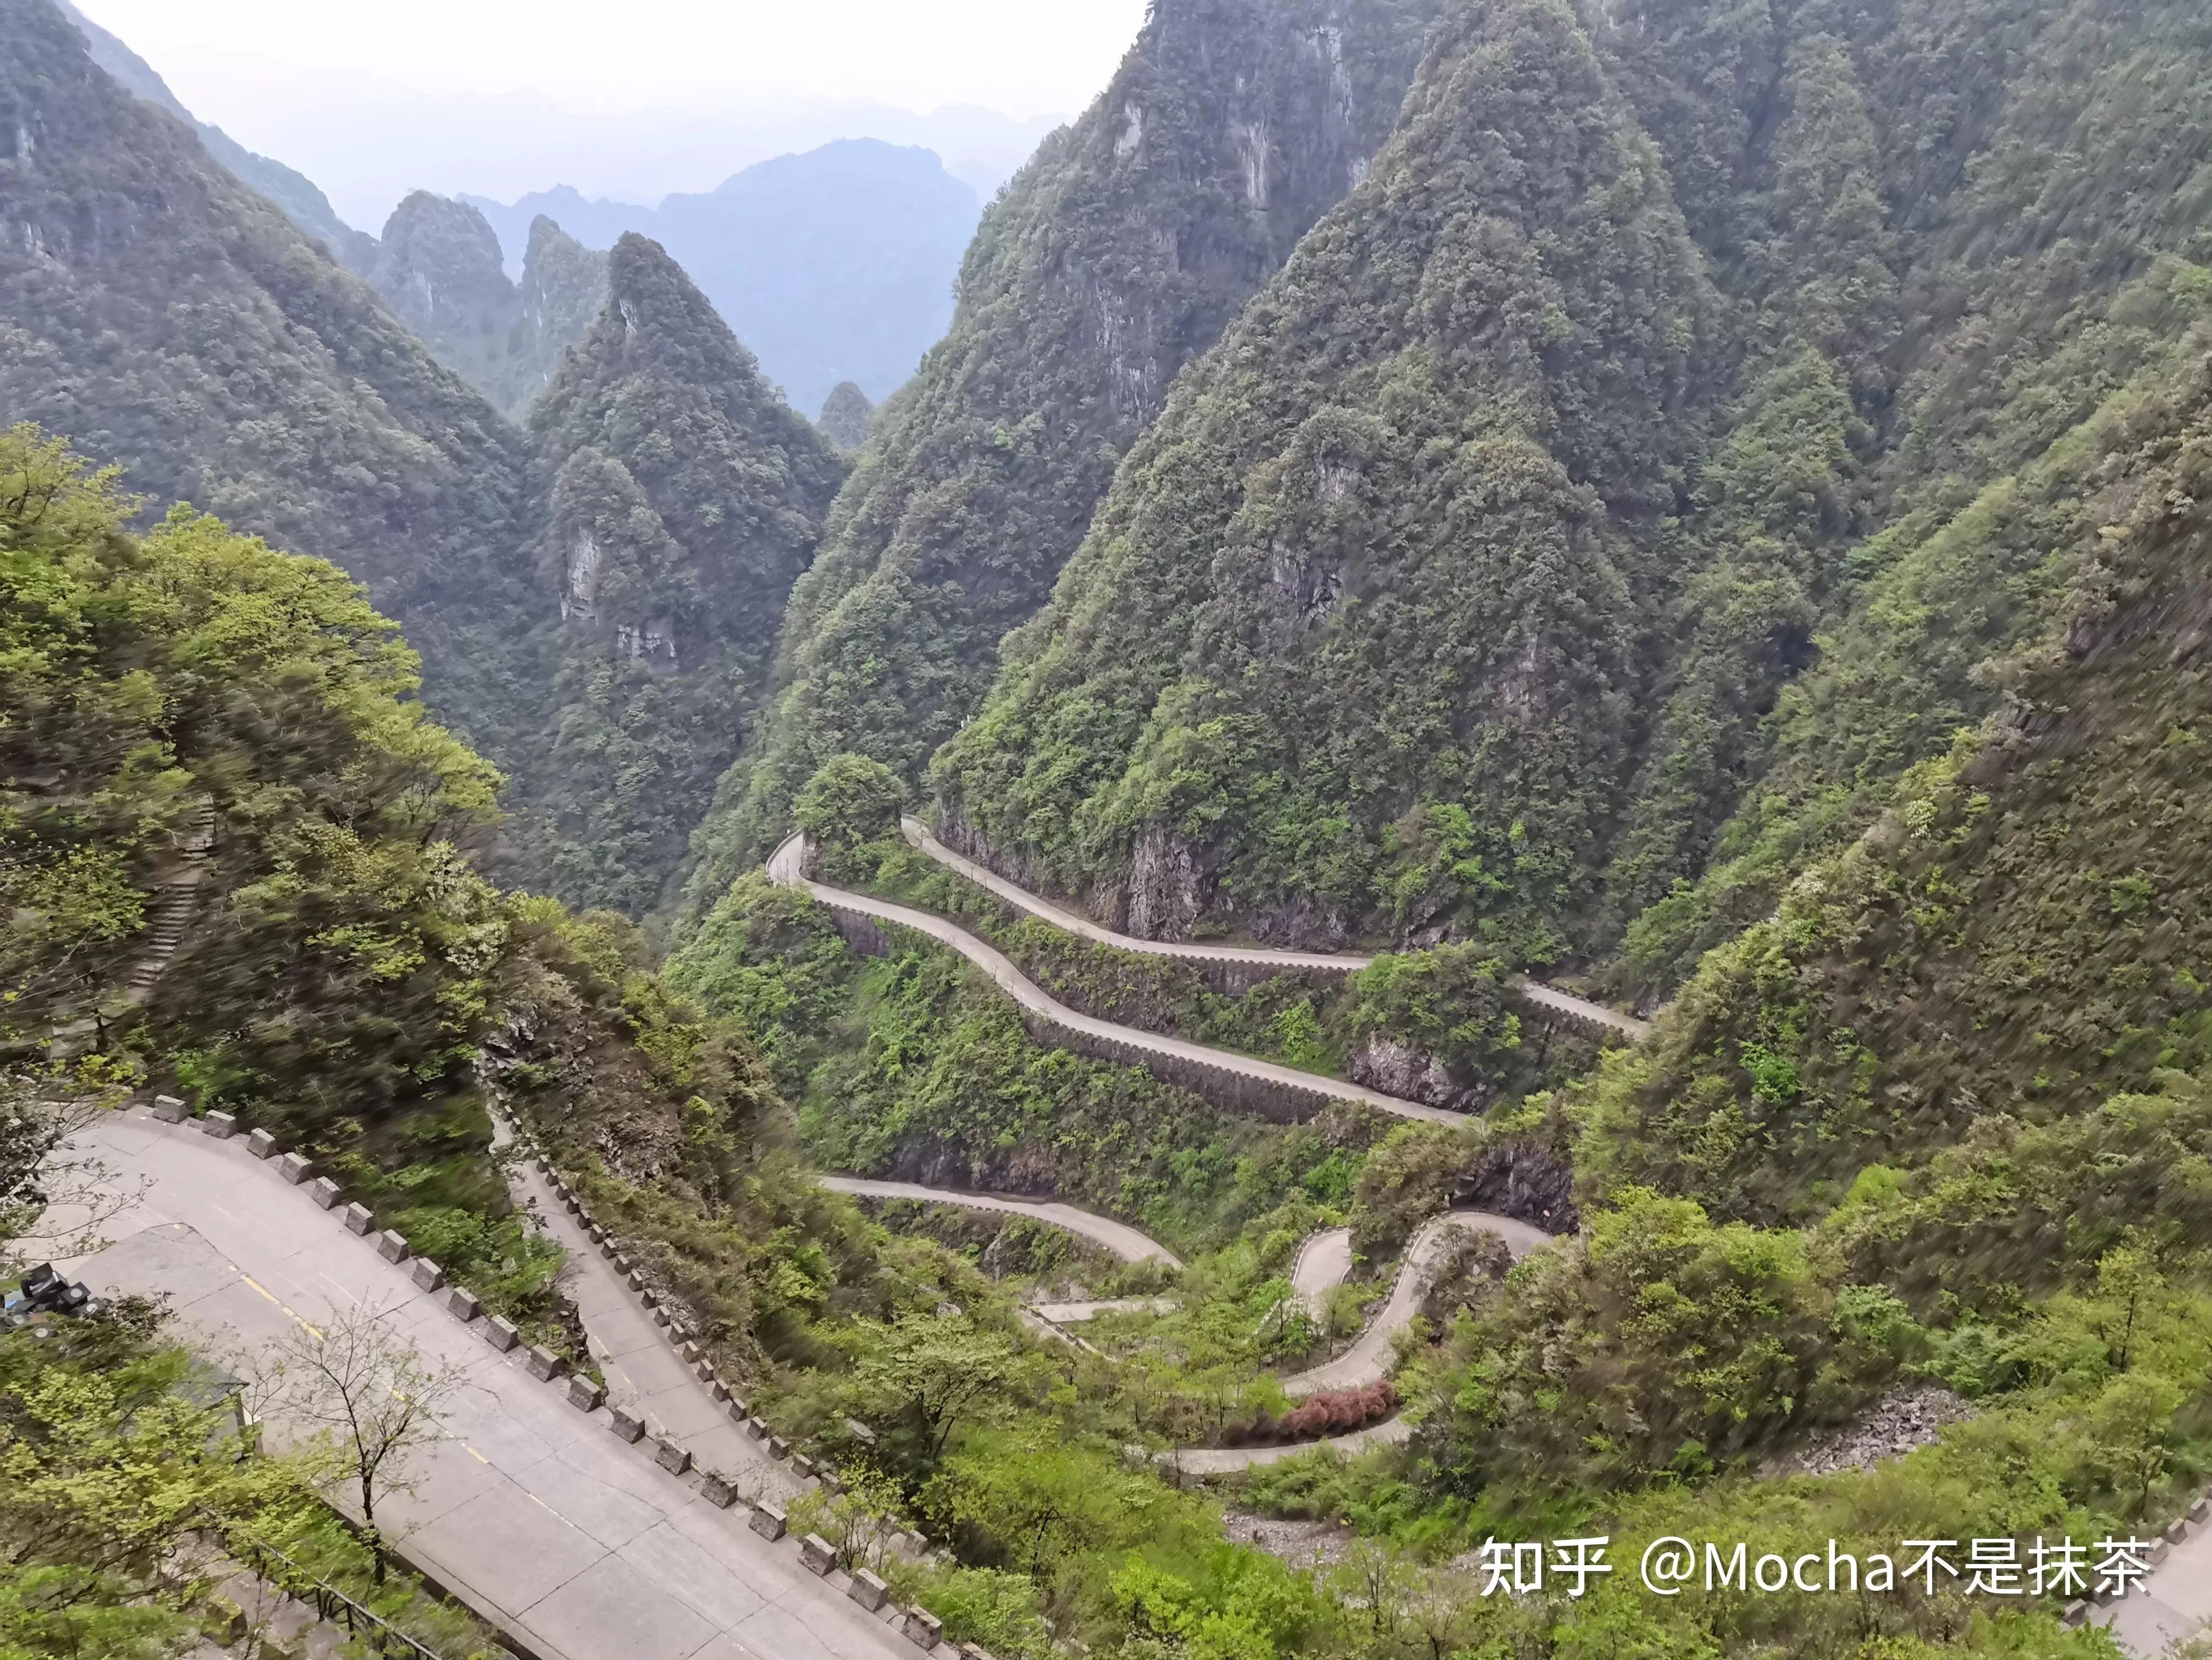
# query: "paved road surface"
1323,1262
1124,1241
1074,1314
644,1373
1364,1363
1349,961
1223,1461
784,869
2172,1604
530,1510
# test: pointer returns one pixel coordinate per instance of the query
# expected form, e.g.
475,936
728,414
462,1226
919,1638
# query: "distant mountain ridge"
438,265
835,265
289,189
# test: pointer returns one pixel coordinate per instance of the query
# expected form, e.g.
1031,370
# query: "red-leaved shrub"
1338,1411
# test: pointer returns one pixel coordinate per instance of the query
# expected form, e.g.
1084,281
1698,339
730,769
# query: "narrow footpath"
530,1511
645,1375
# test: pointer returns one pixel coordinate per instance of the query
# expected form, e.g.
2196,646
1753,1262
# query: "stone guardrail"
587,1394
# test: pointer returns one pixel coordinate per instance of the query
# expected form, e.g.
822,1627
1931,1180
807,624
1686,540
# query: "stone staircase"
175,900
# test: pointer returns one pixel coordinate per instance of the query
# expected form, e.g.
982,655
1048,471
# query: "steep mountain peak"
1391,547
440,265
845,415
1125,247
668,328
563,288
687,498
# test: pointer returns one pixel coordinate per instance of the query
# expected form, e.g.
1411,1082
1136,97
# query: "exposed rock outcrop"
845,417
1401,1070
1891,1427
1523,1180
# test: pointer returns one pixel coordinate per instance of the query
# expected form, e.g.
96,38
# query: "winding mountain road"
785,869
917,834
1364,1362
1124,1241
1323,1262
1324,1259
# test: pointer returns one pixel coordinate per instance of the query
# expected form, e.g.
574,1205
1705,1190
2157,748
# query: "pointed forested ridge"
1391,543
1498,577
171,319
563,286
845,415
439,266
1123,248
687,497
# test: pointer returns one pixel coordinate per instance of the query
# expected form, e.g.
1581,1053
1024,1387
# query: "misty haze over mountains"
368,152
835,265
831,266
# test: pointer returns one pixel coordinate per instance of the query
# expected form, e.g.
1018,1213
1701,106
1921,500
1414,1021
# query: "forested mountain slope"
438,265
1470,586
1402,524
305,205
1124,248
172,321
687,497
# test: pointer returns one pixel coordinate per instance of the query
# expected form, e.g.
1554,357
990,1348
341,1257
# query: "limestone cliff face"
563,288
1124,248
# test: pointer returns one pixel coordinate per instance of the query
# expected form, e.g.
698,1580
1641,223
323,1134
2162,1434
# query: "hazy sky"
1022,58
372,99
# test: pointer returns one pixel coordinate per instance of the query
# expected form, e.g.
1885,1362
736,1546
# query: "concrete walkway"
2172,1604
784,869
530,1510
1124,1241
1044,911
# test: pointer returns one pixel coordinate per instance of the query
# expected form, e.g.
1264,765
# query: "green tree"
941,1371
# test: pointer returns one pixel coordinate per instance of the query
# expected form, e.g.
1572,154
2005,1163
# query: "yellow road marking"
474,1454
313,1331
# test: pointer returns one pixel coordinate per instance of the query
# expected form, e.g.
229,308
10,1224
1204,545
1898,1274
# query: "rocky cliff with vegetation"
1500,574
438,266
686,499
1124,247
176,323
